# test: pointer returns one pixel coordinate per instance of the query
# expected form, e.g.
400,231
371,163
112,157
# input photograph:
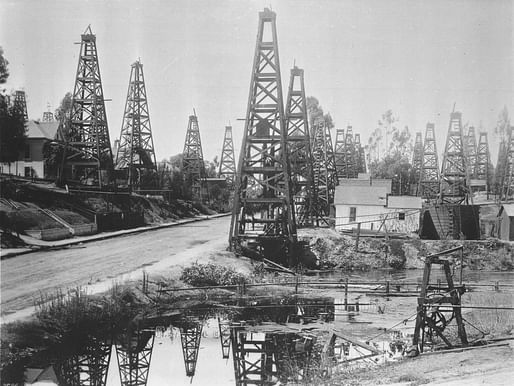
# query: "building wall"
372,216
32,158
506,227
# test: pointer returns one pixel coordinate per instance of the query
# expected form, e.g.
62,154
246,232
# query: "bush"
200,275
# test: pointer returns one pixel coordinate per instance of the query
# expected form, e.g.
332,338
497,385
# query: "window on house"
401,216
27,171
353,213
27,152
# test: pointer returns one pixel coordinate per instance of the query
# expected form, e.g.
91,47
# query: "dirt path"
98,263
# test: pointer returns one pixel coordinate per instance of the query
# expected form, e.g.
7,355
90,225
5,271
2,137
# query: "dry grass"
494,322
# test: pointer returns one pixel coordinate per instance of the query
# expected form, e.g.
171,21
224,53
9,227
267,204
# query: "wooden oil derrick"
298,145
325,175
135,153
193,165
471,152
438,305
350,154
507,181
454,170
429,183
339,154
48,116
228,162
87,150
224,330
361,157
483,159
134,353
20,102
417,162
88,367
190,336
254,357
263,217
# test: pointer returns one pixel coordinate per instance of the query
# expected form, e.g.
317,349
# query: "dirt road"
97,264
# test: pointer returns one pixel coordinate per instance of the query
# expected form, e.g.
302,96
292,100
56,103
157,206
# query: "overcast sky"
360,57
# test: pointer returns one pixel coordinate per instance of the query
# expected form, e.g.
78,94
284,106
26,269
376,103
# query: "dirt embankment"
23,203
334,250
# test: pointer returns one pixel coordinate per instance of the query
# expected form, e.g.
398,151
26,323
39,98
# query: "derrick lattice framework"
263,213
135,152
507,186
350,154
190,337
88,148
325,175
228,162
88,367
471,152
483,158
346,154
339,154
134,353
193,165
20,102
417,160
360,155
429,176
298,143
454,169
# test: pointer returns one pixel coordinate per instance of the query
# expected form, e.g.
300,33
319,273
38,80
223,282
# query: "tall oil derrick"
228,162
135,153
361,157
483,159
48,116
263,214
507,182
339,154
471,152
193,165
88,148
454,169
350,158
20,102
224,331
88,367
254,356
417,161
429,183
298,143
190,336
325,175
134,353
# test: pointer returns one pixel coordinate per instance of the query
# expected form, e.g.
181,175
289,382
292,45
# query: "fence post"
387,287
346,295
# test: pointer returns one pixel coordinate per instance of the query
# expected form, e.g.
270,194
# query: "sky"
361,58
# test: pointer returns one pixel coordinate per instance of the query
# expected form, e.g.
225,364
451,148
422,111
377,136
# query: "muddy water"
163,342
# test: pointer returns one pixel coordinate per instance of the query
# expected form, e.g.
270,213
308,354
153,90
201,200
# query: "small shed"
506,222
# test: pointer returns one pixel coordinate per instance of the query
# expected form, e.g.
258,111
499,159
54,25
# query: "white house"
31,162
370,203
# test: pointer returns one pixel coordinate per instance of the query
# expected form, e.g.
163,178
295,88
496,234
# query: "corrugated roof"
360,195
37,129
509,209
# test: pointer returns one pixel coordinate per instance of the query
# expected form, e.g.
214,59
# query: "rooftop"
37,129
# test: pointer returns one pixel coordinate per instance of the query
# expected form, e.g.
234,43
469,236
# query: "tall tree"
12,122
4,72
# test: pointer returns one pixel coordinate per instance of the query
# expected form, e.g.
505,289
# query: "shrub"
200,275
